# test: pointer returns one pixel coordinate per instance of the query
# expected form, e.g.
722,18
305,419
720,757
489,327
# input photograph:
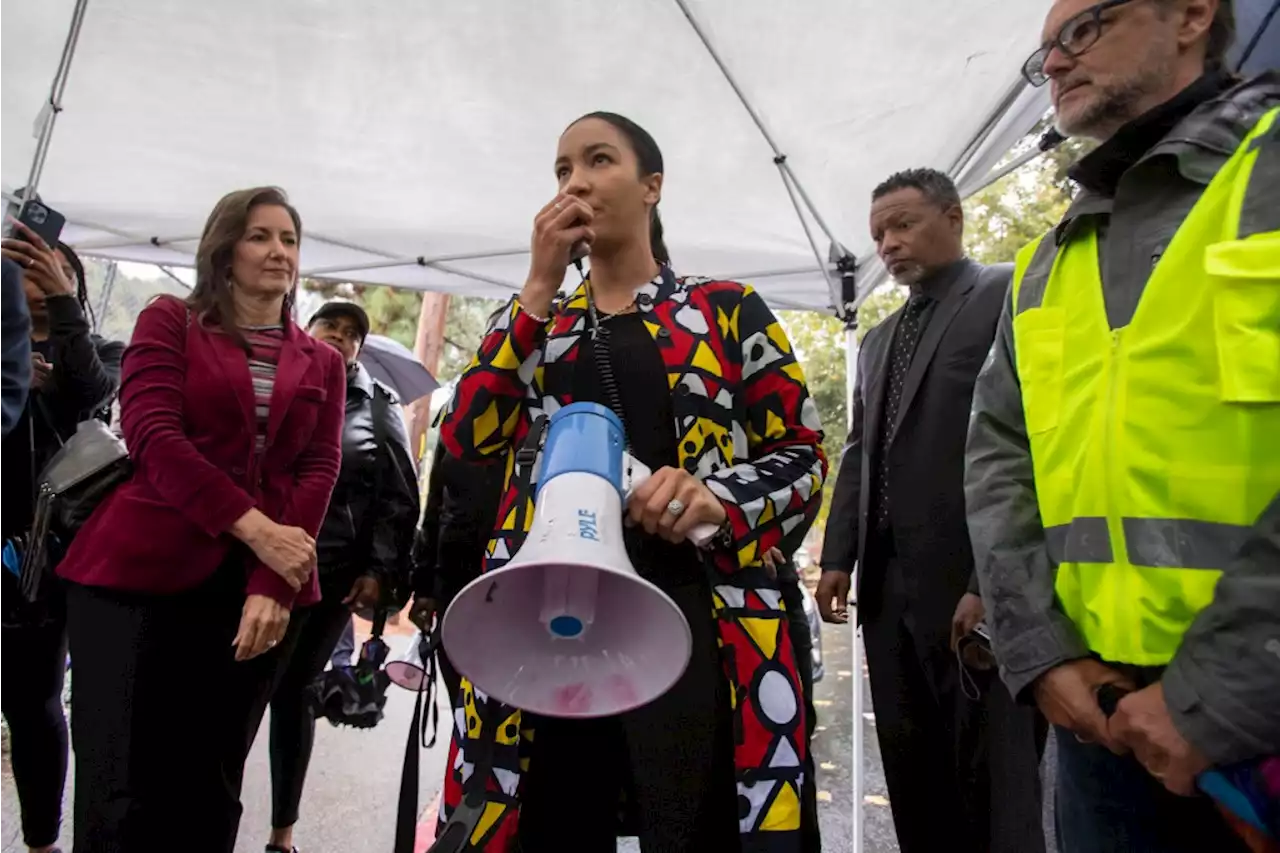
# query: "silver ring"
676,507
270,643
559,206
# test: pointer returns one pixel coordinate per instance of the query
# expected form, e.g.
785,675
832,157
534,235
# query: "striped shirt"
265,342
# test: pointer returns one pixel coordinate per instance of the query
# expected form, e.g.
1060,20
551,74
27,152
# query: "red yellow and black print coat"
748,428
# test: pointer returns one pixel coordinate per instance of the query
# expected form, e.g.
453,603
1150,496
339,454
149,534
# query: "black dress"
670,762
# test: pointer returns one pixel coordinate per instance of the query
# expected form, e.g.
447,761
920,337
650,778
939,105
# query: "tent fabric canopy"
405,130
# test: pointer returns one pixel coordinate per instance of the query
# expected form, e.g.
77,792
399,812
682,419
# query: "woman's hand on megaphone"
671,503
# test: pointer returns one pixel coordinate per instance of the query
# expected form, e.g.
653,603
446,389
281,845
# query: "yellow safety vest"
1156,446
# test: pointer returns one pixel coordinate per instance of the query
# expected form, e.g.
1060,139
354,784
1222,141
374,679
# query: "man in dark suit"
15,352
955,767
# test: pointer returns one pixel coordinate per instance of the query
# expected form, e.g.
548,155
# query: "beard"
1115,101
910,274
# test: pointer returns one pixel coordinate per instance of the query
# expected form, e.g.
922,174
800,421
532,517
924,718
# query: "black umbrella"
394,365
1257,45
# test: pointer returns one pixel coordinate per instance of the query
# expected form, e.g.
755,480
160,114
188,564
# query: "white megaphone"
412,668
567,628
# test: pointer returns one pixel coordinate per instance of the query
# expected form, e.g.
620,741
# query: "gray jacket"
1223,685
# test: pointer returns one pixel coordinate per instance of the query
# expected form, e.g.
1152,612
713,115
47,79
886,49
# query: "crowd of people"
1060,499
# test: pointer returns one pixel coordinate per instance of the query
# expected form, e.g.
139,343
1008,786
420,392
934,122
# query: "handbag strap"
364,537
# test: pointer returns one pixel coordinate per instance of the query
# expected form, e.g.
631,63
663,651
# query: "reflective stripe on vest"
1156,446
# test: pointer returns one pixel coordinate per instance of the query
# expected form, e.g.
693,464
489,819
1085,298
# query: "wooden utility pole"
428,345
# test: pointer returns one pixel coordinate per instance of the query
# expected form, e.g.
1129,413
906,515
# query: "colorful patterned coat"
748,428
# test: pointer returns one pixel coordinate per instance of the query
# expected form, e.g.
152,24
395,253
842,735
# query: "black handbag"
87,467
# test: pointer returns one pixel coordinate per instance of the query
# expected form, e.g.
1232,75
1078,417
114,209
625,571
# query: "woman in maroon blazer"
180,585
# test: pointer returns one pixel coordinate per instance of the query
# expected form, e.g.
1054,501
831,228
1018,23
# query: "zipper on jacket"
1115,525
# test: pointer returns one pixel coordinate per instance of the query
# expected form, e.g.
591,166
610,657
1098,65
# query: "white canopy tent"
407,131
417,139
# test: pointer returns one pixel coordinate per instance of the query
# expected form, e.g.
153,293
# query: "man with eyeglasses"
1123,464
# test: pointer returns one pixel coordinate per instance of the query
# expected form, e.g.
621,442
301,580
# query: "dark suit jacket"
187,412
924,452
15,351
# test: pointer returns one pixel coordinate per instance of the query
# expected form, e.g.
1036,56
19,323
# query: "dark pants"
162,717
802,643
313,633
1107,803
34,661
937,745
671,759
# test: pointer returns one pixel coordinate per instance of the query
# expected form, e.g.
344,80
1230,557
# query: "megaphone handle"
636,472
702,534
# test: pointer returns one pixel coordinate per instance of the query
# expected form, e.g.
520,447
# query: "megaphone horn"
567,628
412,668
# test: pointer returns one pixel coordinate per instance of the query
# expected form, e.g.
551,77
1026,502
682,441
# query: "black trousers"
313,634
671,760
967,768
162,717
34,661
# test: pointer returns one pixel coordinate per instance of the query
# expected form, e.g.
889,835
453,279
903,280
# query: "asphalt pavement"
352,790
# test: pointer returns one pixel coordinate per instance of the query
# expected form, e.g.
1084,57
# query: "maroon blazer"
187,412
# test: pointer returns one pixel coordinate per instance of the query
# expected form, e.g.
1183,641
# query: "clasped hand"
1068,696
651,504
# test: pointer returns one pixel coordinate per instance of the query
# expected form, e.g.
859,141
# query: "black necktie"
905,339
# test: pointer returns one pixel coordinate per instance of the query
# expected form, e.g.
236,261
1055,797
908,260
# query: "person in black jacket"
15,320
362,550
462,502
73,374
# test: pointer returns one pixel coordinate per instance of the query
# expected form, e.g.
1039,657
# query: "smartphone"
43,220
982,633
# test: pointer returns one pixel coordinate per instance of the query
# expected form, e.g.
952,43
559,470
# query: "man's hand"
1068,696
422,612
365,594
969,612
833,596
1142,723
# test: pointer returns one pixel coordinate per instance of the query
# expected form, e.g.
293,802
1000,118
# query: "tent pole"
779,159
49,113
850,380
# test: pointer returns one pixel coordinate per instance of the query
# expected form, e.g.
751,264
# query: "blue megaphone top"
584,438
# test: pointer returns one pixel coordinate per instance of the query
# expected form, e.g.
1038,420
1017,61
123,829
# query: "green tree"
394,312
1021,206
464,327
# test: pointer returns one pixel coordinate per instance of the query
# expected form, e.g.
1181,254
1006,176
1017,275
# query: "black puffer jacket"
462,502
344,552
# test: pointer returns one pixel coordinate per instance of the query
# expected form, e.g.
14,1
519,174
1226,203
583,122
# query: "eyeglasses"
1076,36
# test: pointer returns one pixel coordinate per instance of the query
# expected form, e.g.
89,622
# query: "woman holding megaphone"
714,403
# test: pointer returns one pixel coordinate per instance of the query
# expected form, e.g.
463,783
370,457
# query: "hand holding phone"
42,221
40,262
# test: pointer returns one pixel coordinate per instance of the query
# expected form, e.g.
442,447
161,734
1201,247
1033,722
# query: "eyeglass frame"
1095,11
